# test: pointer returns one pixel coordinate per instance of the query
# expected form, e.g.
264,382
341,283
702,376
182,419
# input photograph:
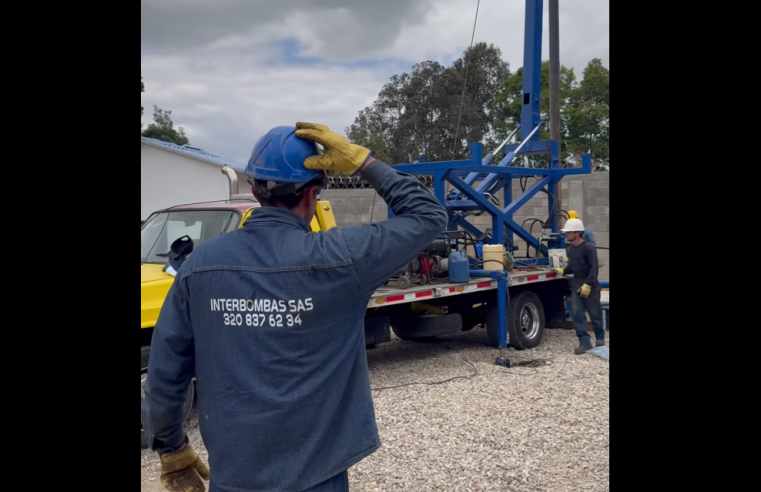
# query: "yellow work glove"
585,290
339,155
559,271
182,471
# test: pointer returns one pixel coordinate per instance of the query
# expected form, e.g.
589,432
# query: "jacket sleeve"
379,250
170,371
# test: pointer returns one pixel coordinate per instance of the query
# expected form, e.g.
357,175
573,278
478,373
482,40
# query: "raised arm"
379,250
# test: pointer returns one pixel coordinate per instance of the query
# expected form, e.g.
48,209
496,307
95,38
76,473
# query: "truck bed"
391,294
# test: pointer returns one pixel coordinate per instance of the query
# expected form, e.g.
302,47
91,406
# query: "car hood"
151,273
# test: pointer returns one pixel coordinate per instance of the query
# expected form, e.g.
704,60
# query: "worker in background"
585,287
270,320
588,236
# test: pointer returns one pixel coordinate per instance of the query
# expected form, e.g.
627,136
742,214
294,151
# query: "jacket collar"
273,216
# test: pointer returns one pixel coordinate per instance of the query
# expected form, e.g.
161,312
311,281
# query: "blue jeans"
592,306
339,483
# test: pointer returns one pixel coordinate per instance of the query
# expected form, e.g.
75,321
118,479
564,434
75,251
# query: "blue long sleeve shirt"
270,319
583,265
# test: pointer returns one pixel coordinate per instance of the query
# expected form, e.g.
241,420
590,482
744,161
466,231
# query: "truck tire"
427,326
525,321
145,353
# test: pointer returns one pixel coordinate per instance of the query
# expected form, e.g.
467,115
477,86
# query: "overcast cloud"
231,69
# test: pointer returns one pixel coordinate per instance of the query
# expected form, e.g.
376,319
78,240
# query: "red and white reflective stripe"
427,294
532,278
472,287
396,299
453,291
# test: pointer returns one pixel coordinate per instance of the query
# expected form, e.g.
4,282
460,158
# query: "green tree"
417,113
588,122
162,128
509,103
584,112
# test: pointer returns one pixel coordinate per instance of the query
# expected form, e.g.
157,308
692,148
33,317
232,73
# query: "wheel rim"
529,321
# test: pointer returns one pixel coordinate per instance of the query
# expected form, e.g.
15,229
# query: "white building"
174,175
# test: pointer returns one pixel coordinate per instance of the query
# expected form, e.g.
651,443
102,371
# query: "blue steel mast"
493,178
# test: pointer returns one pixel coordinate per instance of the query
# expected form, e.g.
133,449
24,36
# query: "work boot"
600,342
582,348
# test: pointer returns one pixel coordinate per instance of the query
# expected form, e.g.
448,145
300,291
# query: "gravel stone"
493,429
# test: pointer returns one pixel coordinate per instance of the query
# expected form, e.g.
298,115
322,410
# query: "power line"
465,82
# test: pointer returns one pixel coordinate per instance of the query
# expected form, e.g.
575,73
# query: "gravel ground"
492,429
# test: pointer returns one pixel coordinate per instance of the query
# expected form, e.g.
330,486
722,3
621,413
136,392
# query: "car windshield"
160,230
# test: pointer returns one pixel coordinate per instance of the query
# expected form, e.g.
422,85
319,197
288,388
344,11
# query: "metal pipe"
506,140
503,301
471,177
524,142
488,182
488,273
555,74
232,178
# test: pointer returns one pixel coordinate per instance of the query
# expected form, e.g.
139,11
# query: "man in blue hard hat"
270,319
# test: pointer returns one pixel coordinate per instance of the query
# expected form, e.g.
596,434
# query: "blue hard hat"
279,157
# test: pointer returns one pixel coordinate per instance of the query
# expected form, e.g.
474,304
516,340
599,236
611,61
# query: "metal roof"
193,152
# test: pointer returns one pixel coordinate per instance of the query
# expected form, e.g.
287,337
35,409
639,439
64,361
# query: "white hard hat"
573,225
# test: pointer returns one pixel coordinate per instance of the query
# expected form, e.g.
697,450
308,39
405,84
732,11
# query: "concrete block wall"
588,194
356,207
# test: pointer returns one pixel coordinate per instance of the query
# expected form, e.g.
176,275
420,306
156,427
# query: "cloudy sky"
231,69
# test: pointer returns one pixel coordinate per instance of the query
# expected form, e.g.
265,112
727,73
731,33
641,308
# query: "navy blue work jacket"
270,319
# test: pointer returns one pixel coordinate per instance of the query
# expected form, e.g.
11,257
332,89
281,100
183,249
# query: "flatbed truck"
515,304
417,312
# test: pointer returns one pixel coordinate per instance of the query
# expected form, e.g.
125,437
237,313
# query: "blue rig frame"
494,178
